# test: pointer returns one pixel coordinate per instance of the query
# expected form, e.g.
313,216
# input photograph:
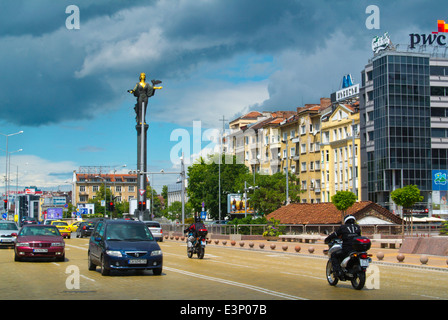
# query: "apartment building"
87,184
339,151
305,149
255,140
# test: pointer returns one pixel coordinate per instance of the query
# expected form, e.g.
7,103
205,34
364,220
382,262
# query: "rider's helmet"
349,219
197,219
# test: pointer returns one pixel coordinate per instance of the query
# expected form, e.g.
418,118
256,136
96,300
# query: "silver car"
156,229
8,233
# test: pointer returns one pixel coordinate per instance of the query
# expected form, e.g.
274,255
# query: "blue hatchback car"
123,245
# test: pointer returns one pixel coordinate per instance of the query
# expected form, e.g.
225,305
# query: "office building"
404,126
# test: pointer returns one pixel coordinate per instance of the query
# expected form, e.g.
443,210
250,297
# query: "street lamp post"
6,160
246,189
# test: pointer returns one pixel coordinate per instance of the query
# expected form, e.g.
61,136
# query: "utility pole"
219,165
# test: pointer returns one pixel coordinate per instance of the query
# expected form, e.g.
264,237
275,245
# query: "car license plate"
364,262
40,250
137,261
6,240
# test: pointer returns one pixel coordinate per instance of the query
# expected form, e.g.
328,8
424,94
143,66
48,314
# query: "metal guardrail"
258,229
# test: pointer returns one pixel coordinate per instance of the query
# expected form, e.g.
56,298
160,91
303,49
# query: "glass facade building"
398,109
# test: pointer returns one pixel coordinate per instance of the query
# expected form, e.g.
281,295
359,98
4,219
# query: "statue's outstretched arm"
133,90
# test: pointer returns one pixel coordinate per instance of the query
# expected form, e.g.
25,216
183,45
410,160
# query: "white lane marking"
83,276
302,275
237,284
70,245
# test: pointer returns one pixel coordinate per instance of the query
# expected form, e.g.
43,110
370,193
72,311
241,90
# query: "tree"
164,193
271,192
99,209
156,207
203,183
406,197
343,200
174,211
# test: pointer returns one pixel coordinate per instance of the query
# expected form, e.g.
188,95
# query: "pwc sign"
432,38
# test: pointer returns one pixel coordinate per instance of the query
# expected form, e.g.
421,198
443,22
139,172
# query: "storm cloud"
50,74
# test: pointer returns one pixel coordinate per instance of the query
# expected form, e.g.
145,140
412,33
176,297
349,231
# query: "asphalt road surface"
225,273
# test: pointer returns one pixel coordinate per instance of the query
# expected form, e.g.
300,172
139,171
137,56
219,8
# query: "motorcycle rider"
193,229
347,232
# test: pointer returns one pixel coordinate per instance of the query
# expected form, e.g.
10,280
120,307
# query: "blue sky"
66,89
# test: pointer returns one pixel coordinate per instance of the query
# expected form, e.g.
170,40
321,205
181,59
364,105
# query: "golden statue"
143,91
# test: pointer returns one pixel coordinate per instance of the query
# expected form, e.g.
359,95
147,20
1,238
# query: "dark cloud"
50,74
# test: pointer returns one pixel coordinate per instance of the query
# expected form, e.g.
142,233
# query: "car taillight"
84,228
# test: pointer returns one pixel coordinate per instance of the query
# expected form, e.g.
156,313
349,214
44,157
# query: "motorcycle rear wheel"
331,277
359,280
201,252
190,253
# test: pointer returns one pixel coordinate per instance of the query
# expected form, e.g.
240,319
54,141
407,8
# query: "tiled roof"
93,177
326,213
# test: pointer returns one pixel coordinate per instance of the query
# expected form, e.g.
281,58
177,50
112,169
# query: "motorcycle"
353,266
196,245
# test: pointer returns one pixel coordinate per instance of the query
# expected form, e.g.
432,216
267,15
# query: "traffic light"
5,204
111,206
141,205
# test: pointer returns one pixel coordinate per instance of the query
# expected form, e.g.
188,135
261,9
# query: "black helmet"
349,219
197,219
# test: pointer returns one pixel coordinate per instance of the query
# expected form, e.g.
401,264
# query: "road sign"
141,191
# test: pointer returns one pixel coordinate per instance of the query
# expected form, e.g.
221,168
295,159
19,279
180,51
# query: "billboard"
235,204
439,192
54,213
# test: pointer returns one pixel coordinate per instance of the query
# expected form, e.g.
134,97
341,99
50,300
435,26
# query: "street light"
246,189
6,160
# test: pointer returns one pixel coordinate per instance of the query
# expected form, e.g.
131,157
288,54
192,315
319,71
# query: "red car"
39,241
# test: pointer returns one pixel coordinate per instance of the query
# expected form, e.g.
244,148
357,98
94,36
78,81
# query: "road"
226,273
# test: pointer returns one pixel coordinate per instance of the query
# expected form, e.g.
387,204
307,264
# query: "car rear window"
8,226
153,224
39,231
128,232
59,223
